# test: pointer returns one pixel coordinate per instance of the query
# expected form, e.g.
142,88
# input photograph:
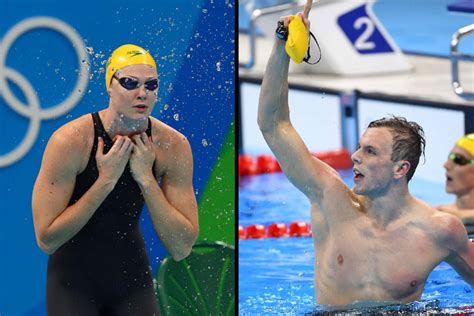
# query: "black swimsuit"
103,269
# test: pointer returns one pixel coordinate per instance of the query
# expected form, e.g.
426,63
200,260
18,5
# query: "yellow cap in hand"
298,39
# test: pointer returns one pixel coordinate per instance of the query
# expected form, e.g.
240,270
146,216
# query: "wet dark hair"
408,140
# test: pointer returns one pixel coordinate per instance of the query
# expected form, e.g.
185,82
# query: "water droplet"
90,50
204,142
204,10
218,66
176,117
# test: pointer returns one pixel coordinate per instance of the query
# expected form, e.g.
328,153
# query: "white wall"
315,116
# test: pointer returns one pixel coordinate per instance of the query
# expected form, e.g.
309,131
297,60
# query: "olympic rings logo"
32,109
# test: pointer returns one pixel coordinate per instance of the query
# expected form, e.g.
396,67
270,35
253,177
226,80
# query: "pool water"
276,274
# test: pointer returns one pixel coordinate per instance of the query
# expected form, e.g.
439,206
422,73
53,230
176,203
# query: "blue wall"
193,43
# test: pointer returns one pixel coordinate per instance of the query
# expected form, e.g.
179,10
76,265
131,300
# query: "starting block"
353,41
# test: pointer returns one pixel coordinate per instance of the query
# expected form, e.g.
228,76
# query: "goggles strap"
281,31
308,53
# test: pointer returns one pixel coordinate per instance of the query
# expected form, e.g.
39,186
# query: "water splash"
86,63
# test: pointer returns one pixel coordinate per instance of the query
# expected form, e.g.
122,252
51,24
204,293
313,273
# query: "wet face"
373,168
135,103
459,179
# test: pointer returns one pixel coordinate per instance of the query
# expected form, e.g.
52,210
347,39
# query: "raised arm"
306,172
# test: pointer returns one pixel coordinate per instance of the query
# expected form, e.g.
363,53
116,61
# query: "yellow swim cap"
467,142
127,55
298,39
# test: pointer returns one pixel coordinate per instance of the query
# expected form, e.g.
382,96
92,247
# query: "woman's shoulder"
164,133
74,135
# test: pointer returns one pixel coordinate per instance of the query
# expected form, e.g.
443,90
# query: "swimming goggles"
132,83
460,160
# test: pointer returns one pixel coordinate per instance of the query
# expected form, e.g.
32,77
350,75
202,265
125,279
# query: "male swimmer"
374,243
97,172
460,180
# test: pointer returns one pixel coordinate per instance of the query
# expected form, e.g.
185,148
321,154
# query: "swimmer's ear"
401,168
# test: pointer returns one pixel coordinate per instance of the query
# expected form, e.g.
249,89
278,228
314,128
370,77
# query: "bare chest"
369,264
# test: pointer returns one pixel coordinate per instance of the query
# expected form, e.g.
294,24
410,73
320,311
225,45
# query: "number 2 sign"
362,32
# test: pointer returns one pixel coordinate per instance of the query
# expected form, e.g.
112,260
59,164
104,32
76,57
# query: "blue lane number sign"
362,32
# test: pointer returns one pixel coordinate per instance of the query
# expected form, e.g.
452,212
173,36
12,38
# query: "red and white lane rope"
249,165
294,229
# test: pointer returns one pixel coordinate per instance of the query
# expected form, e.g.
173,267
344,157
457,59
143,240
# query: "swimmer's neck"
386,208
118,124
466,200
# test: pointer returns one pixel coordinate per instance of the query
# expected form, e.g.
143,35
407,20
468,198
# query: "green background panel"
217,205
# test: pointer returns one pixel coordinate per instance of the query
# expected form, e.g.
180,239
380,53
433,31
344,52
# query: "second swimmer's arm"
465,215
